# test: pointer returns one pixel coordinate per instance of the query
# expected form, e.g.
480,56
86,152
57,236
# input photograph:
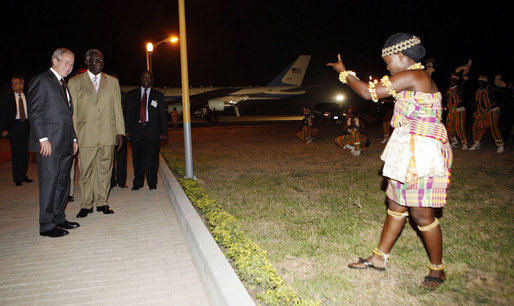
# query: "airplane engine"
217,104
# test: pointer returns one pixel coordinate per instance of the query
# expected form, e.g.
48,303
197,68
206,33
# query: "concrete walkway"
136,256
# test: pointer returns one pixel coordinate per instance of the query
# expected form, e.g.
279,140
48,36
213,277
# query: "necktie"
63,84
95,83
142,110
23,115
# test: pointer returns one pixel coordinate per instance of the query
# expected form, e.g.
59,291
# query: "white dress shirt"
147,99
92,76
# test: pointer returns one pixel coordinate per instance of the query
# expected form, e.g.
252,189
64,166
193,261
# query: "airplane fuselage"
286,84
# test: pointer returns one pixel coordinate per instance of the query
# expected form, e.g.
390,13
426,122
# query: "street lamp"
150,47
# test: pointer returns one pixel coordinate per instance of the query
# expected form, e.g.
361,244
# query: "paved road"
136,256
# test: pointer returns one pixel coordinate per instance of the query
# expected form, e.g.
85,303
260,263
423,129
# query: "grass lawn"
315,208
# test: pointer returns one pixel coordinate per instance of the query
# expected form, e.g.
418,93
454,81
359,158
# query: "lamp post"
149,51
188,147
150,47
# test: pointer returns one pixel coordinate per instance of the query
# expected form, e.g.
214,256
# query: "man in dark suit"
14,124
119,168
53,139
147,126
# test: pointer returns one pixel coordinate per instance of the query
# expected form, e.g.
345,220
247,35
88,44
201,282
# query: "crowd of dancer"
491,108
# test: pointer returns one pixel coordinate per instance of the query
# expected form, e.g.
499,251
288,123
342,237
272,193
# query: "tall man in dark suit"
14,124
53,139
119,167
147,126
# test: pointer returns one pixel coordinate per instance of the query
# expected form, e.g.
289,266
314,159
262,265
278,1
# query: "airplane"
286,84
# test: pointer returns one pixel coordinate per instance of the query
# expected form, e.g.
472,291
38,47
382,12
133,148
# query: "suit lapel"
11,107
103,81
61,90
87,80
71,105
150,99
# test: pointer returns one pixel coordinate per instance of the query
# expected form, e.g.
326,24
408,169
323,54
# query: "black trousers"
19,140
119,169
54,185
145,159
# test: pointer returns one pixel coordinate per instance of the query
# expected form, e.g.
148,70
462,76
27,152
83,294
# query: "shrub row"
248,260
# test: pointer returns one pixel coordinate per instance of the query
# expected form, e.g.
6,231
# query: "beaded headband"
399,47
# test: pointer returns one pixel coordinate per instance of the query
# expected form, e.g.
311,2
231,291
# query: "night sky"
240,43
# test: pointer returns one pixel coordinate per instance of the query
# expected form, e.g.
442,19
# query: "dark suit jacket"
124,107
50,114
157,115
8,116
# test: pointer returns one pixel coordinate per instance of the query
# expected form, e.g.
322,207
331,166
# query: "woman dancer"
417,156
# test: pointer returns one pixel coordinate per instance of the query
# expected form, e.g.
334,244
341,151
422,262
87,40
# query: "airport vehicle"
286,84
328,112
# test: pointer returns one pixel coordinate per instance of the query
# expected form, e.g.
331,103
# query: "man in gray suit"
53,139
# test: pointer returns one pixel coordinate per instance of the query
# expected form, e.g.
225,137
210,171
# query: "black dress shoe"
123,186
135,187
18,183
153,187
84,211
27,180
105,209
55,232
71,199
68,225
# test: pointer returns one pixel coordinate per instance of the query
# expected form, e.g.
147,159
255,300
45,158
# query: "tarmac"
138,255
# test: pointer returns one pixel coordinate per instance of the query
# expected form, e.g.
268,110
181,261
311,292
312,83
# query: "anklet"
436,267
376,251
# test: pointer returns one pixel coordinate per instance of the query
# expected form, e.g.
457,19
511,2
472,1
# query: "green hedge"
249,261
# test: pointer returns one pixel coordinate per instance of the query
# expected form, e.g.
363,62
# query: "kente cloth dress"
418,156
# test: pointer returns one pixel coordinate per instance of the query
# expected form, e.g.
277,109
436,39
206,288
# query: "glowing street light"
150,47
339,98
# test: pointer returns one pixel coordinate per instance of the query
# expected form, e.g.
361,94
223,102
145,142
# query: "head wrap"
408,44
